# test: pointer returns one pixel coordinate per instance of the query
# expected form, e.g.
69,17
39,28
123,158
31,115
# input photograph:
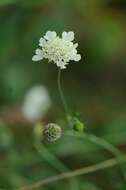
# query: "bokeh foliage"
95,87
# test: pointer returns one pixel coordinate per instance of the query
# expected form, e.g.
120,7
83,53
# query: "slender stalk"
49,157
91,137
103,143
63,100
54,162
85,170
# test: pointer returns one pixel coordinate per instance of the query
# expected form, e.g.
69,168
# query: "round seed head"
52,132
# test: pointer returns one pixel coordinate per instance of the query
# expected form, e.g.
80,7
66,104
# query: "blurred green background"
95,86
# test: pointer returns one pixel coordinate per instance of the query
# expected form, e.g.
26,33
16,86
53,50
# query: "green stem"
105,144
82,171
92,138
49,157
63,100
54,162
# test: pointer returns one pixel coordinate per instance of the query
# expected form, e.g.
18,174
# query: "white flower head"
57,50
36,103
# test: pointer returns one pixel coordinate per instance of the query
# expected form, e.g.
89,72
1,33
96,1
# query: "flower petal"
68,36
39,52
77,57
42,42
50,35
61,64
75,45
37,58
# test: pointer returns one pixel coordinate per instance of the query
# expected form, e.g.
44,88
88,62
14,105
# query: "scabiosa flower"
57,50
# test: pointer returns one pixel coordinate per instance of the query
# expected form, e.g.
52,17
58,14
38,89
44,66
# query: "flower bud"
38,131
52,132
76,123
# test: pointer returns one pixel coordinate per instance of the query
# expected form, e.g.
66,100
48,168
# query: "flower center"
56,50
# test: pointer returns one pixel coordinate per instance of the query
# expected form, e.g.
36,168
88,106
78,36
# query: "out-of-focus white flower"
36,103
57,50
